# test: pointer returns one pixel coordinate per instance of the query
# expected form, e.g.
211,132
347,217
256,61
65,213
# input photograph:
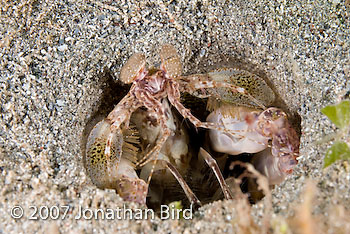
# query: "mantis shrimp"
143,135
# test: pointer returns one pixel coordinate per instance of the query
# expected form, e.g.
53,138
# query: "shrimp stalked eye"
171,62
133,68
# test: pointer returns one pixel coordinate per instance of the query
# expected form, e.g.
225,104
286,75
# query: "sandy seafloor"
53,52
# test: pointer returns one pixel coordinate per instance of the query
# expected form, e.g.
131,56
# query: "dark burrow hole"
200,179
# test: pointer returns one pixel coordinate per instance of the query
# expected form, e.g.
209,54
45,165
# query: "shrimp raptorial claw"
256,129
117,171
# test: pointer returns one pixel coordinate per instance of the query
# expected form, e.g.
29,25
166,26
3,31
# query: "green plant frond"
339,114
338,151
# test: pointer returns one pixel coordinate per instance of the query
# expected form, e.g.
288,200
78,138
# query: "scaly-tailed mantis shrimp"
113,143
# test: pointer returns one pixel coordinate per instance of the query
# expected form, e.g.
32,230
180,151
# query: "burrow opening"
200,179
